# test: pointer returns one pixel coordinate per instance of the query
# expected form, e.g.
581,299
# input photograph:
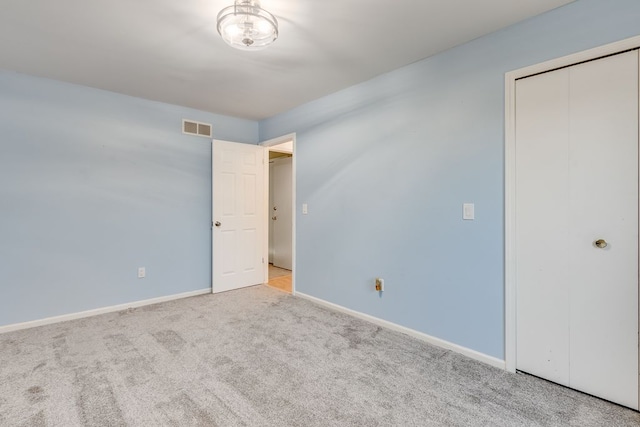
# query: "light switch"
468,211
305,210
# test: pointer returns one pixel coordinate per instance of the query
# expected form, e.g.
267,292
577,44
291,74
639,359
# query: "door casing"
270,143
510,174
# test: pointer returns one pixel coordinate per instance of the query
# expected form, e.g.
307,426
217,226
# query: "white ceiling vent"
196,128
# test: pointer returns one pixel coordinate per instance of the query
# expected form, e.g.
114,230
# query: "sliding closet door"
577,227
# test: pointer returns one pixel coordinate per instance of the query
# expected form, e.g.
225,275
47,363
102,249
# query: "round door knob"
218,224
601,243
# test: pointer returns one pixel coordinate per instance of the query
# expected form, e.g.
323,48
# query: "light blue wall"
93,185
386,165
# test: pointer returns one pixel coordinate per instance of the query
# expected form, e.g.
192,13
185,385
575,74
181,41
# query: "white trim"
476,355
265,202
293,218
98,311
575,58
509,192
269,143
279,140
213,149
509,225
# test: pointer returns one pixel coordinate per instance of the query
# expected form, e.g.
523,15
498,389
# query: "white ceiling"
170,51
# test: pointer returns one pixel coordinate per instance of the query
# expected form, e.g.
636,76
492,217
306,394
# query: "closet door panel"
542,227
603,141
577,227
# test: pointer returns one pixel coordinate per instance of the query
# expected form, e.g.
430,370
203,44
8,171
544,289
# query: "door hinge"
263,260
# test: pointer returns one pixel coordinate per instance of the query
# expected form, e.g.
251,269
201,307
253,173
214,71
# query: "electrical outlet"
379,284
142,272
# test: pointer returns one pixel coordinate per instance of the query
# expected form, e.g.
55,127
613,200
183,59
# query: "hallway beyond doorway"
279,278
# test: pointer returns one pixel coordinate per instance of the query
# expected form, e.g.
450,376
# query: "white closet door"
542,225
577,182
604,205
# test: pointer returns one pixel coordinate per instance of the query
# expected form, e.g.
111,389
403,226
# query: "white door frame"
269,143
510,175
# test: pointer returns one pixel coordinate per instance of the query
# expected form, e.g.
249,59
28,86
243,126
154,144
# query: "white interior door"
281,213
238,215
576,184
270,213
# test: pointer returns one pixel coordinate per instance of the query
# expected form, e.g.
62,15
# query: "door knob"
218,224
275,208
274,218
601,243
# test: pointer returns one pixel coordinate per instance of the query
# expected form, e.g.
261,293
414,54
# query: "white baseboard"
490,360
97,311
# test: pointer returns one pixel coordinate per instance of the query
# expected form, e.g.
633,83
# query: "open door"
281,229
239,225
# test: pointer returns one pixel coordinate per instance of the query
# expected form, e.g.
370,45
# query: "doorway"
281,212
572,222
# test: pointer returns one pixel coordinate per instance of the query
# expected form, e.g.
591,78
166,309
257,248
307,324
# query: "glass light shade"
246,26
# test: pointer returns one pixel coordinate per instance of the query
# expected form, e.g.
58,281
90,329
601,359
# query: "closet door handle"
601,243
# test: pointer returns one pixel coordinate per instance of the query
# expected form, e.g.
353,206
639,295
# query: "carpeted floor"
260,357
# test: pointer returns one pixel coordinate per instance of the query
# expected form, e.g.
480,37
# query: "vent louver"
204,130
191,127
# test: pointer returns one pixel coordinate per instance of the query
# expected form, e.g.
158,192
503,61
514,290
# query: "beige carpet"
260,357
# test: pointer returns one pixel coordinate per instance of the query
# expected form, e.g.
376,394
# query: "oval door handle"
274,218
601,243
218,224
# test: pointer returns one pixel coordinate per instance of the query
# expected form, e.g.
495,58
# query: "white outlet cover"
142,272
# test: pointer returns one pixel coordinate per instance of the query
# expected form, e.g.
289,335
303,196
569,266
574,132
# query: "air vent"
204,129
196,128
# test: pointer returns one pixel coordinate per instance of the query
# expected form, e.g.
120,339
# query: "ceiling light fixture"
247,26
